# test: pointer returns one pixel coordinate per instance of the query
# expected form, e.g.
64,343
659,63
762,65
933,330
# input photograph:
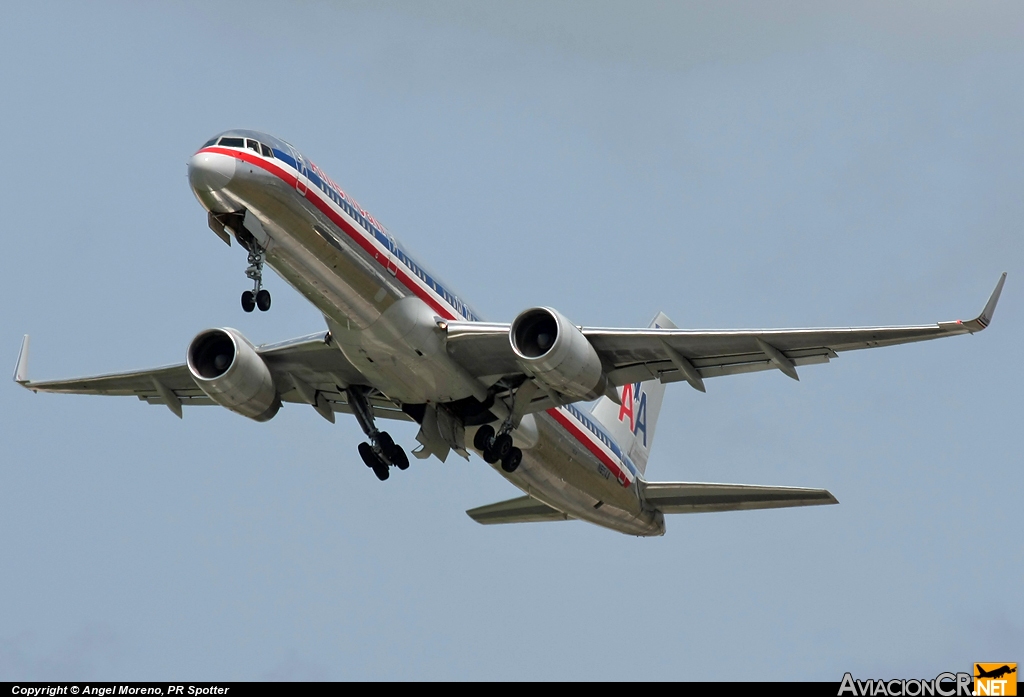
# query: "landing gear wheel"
384,452
498,449
394,453
502,446
510,463
369,457
483,437
257,297
399,459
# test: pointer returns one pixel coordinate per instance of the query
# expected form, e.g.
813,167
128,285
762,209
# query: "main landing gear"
382,451
498,447
258,296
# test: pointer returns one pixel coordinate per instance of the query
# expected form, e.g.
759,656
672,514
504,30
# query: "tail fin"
632,424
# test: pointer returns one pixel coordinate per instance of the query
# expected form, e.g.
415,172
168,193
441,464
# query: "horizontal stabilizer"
688,497
524,509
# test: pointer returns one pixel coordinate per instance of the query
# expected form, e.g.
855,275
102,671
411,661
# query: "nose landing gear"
258,296
241,224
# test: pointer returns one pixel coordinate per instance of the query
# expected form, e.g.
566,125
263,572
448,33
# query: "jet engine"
555,352
227,368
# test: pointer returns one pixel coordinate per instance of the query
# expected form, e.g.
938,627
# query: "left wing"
301,369
637,355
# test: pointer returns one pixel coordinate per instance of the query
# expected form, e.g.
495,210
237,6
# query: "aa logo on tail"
634,408
995,679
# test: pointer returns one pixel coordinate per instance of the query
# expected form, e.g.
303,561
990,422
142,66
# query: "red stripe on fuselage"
325,208
580,435
368,246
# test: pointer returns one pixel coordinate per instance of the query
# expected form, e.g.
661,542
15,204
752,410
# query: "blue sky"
743,165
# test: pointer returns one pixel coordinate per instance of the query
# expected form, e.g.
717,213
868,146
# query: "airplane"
996,673
400,344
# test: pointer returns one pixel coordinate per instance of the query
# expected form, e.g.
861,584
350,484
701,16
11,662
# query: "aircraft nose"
209,171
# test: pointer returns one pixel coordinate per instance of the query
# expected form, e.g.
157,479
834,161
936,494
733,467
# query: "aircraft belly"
565,477
405,350
391,336
388,333
334,274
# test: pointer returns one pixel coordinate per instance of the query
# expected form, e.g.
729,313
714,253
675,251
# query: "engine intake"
228,370
555,352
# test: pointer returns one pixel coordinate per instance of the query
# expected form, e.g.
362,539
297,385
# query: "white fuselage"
383,310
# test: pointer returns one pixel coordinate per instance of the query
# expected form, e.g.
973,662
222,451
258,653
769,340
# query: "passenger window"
253,145
233,142
267,152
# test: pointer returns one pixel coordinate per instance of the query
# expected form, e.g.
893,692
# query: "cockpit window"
211,141
249,143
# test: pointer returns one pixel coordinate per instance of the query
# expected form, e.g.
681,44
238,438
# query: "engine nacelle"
554,351
227,368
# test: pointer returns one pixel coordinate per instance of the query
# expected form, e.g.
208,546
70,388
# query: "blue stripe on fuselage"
343,201
354,211
601,435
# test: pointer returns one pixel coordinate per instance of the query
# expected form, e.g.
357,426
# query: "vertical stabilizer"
632,424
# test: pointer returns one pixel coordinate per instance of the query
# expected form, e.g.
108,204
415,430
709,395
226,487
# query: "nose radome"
208,171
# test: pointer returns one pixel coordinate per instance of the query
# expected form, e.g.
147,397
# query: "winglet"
990,307
985,318
21,370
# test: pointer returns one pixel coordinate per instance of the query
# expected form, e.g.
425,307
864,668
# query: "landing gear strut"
258,296
382,451
498,447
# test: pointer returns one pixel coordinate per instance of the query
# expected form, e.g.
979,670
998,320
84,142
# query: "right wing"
298,366
687,497
670,355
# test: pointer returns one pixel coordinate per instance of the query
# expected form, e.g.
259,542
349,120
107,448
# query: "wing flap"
666,371
381,408
185,400
524,509
693,497
337,403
